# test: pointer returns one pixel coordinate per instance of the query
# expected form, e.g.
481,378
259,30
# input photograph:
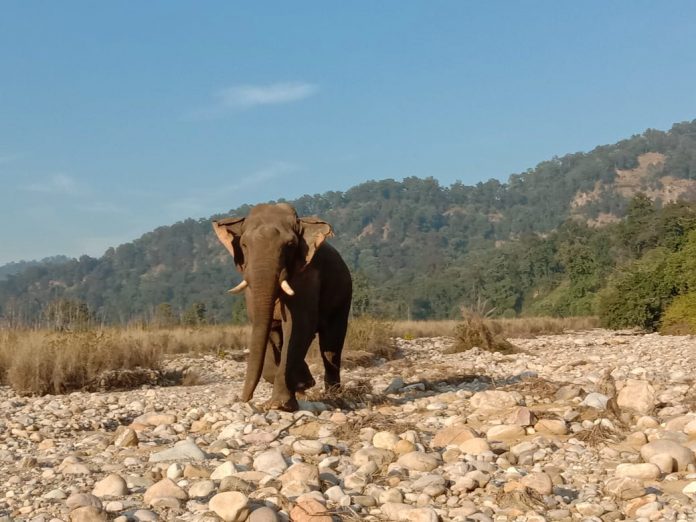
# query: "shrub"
637,295
680,316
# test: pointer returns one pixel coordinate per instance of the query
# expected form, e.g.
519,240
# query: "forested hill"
417,249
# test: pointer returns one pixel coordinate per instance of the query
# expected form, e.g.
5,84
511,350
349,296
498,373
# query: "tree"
195,315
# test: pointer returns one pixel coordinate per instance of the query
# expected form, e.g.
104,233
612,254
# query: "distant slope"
399,237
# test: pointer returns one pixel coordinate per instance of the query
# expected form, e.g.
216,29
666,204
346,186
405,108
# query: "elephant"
296,286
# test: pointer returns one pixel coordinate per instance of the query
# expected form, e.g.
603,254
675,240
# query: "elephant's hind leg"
332,334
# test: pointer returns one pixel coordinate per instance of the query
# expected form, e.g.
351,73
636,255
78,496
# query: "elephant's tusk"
241,286
286,287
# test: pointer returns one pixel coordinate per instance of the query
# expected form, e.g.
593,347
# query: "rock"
638,396
505,432
520,415
663,461
644,471
230,506
682,456
418,461
233,483
589,509
395,386
125,437
165,488
309,510
201,488
595,400
452,435
624,488
263,514
77,500
144,515
88,514
493,400
155,419
404,446
385,440
112,485
183,450
308,447
475,446
690,488
192,471
226,469
406,513
396,510
271,462
539,482
379,456
299,478
73,466
551,426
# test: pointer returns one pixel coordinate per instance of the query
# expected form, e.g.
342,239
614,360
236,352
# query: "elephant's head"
270,246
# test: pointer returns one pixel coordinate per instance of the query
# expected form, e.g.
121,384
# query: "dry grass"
597,435
473,332
517,328
38,362
417,329
349,432
371,335
528,327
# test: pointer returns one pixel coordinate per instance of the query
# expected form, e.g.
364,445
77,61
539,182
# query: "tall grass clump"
39,363
473,332
371,335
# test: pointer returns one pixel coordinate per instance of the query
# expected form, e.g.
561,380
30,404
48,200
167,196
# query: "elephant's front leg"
293,374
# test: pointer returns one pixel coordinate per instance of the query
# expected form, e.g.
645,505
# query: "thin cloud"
245,97
56,184
248,96
204,202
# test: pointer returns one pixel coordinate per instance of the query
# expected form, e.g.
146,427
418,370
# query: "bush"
473,332
639,294
680,316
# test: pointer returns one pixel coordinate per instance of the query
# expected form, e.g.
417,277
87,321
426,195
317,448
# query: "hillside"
19,266
417,249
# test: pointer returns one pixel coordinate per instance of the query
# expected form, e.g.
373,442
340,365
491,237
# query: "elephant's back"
336,282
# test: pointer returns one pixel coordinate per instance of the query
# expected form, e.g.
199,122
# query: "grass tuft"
473,332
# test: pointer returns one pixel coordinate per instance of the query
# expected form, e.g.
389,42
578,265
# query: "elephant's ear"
229,232
313,232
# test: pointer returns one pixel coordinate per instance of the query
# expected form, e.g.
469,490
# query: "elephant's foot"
287,405
304,385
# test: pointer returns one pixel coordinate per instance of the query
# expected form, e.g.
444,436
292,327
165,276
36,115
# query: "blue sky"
117,118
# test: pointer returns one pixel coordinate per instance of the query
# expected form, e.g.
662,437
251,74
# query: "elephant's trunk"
265,288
